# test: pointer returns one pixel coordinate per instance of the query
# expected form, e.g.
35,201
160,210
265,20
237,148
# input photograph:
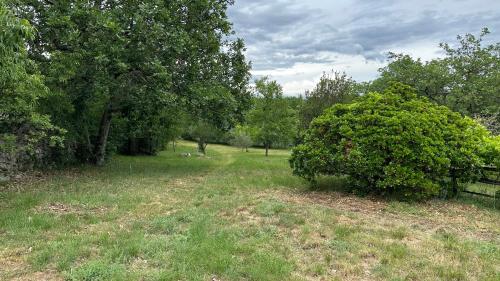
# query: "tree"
467,79
23,128
212,114
331,89
147,128
128,64
241,137
429,79
475,75
491,152
392,143
489,120
272,120
203,133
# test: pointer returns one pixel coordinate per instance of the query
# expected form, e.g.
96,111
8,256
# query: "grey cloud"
282,33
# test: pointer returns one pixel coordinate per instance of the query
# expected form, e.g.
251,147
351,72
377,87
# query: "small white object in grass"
186,154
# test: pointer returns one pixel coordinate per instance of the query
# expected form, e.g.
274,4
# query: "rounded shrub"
392,143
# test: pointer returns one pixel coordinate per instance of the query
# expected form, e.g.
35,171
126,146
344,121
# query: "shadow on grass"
331,184
326,184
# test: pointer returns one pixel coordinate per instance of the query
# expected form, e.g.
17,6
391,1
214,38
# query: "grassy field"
232,216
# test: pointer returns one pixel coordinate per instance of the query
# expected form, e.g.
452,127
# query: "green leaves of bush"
392,143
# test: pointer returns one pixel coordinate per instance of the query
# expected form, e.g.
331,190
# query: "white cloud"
304,76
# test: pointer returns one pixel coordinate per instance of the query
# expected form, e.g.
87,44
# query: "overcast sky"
295,41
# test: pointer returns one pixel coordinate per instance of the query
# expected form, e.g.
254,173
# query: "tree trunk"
173,145
246,148
202,146
88,148
102,138
267,149
132,146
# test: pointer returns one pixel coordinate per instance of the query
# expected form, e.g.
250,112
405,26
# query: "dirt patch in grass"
13,266
31,180
244,215
12,262
64,209
50,275
334,200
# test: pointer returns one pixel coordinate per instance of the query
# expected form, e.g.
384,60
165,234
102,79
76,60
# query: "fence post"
454,183
497,199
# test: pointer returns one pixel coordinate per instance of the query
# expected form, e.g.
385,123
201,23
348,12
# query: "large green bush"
392,143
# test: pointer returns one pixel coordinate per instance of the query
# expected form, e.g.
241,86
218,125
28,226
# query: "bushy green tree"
430,79
491,151
392,143
203,133
241,137
213,114
147,128
272,120
475,74
331,89
23,128
467,79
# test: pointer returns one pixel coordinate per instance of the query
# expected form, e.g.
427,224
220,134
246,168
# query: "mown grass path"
231,216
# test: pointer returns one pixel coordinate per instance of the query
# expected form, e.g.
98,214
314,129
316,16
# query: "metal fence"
491,180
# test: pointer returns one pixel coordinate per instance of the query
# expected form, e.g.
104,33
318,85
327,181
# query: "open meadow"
232,216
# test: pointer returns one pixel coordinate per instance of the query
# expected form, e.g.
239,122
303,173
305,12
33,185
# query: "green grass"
232,216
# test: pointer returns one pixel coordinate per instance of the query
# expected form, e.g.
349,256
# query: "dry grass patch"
431,217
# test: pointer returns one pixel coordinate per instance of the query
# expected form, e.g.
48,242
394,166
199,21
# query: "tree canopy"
467,79
272,120
331,89
24,129
119,72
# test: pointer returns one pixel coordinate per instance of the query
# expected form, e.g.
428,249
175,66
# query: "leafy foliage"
23,128
203,133
331,89
475,74
241,137
272,120
467,80
392,143
491,151
430,79
121,71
